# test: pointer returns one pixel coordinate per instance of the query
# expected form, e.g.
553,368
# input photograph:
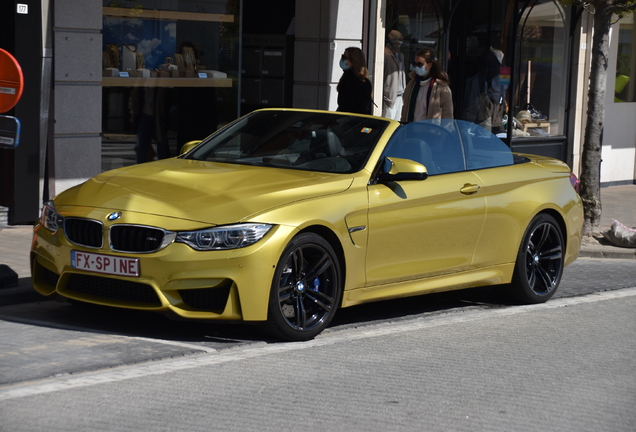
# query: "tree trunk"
592,141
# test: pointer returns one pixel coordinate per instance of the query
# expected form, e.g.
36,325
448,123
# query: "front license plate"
109,264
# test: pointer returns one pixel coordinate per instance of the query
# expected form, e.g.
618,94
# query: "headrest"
327,142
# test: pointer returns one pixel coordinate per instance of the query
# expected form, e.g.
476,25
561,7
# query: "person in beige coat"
428,94
394,76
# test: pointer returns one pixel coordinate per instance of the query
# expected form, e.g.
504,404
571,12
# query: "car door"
424,228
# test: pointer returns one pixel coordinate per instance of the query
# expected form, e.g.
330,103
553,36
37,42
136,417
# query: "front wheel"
539,264
306,289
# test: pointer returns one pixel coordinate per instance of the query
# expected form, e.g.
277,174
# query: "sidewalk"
619,202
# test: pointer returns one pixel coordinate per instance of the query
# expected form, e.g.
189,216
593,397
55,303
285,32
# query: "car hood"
208,192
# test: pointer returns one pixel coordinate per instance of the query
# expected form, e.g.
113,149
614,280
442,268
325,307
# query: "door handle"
469,189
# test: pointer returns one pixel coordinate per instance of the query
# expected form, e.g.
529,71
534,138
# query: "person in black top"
355,92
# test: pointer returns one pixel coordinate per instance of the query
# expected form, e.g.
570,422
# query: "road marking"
67,382
177,343
63,326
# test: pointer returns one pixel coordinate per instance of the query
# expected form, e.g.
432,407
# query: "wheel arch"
558,217
335,243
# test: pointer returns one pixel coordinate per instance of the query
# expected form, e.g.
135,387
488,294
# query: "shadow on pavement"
29,307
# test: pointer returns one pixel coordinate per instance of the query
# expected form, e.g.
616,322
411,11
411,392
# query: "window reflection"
169,76
542,69
479,62
480,45
625,84
410,27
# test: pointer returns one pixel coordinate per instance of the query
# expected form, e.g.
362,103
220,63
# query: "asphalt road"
455,361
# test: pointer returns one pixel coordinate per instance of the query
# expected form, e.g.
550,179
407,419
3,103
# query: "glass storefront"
542,68
177,70
507,59
625,84
170,75
480,67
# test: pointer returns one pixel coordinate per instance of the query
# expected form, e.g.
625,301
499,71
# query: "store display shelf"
166,82
165,15
540,125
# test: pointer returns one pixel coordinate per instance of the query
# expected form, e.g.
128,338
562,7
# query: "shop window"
625,83
410,27
170,73
542,70
474,46
480,70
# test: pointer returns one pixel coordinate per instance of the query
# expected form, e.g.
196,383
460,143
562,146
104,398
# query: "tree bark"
592,141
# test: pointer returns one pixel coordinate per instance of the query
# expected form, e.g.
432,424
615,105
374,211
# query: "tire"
306,289
539,263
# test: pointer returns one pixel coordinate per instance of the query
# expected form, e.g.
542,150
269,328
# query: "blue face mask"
344,65
421,71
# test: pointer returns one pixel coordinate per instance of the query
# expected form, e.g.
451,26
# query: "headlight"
224,237
51,219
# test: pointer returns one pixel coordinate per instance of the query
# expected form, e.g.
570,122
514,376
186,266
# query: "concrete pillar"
77,93
324,29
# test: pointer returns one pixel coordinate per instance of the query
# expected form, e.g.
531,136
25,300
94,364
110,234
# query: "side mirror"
397,169
189,146
9,132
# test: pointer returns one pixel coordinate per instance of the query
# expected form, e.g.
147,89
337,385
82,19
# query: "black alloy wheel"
539,264
306,289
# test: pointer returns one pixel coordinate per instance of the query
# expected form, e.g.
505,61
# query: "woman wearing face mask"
428,94
354,88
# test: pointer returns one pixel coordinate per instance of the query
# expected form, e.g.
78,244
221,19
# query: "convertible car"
284,216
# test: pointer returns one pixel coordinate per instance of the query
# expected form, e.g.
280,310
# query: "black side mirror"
9,132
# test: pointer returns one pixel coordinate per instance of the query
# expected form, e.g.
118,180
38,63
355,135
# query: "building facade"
117,82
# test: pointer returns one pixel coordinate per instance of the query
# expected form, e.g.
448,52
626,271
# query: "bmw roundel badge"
114,216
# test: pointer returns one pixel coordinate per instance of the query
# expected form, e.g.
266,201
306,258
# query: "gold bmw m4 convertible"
284,216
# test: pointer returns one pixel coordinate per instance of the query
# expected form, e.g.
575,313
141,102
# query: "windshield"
316,141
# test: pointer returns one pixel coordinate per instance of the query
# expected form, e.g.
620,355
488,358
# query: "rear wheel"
539,264
306,289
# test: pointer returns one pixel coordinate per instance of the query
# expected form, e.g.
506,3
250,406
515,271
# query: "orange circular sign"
11,81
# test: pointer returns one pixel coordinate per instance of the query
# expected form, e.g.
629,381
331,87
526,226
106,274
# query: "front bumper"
222,285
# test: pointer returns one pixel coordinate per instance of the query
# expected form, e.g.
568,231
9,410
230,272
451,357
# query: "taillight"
574,180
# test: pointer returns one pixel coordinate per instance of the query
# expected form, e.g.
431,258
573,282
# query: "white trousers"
394,113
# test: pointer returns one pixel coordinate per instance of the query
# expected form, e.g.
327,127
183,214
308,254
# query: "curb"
612,254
